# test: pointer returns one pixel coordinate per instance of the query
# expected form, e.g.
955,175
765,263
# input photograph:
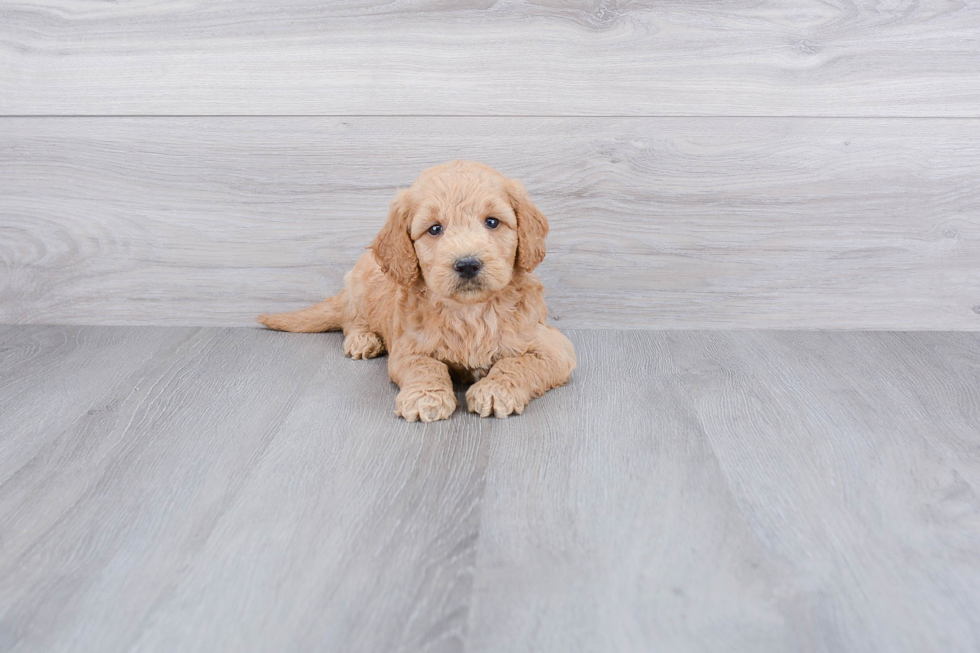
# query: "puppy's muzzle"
468,267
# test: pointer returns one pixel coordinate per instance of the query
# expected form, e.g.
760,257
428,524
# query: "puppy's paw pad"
363,344
425,404
493,397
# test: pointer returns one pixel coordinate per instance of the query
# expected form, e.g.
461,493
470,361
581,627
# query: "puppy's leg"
328,315
361,342
426,390
513,382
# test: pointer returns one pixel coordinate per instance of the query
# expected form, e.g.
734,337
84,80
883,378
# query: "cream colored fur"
405,296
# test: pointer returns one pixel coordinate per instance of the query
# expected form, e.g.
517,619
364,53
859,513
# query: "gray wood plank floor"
194,489
474,57
656,222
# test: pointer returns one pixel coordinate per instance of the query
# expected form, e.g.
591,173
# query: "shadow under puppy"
447,289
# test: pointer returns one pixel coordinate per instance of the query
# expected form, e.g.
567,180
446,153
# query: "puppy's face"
462,229
466,244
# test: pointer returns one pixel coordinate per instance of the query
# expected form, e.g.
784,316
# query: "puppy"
447,290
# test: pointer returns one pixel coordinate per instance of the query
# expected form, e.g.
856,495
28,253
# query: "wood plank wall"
704,165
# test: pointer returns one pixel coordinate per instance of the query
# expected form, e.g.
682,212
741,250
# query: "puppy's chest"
474,344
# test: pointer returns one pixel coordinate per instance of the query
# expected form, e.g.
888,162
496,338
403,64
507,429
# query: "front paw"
497,397
425,404
363,344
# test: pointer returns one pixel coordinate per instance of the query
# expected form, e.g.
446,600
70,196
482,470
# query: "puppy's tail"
328,315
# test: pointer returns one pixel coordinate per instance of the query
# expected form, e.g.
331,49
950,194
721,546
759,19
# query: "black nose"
468,267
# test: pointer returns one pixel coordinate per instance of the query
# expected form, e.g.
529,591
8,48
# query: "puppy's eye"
492,223
435,229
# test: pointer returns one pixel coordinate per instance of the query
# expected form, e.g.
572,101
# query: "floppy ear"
393,248
532,227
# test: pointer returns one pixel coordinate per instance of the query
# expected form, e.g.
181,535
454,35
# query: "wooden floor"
207,489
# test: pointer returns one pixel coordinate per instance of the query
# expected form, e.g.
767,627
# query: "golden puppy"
447,288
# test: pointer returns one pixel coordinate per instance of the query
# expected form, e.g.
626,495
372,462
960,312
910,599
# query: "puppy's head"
462,229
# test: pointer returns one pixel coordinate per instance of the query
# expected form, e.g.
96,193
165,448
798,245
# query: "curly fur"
404,296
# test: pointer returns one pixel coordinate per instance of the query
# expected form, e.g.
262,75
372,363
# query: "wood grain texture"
39,404
236,494
876,436
656,223
739,491
609,526
783,57
709,491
